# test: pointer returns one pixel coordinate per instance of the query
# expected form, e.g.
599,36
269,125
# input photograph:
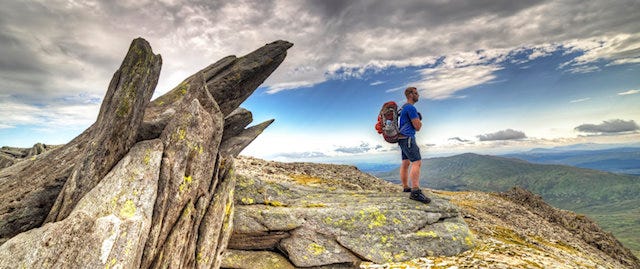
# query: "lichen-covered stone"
115,131
240,259
325,224
107,228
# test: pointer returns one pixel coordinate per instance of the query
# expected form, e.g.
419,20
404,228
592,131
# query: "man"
410,123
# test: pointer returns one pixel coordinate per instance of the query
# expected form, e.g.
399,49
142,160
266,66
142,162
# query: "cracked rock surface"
320,217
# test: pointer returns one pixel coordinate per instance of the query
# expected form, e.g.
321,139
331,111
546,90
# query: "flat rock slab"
319,225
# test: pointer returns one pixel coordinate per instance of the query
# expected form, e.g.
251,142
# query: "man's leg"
415,174
404,173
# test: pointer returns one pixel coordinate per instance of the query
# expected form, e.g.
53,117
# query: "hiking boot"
419,196
407,189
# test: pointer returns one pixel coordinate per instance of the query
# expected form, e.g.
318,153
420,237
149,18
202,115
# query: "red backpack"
388,122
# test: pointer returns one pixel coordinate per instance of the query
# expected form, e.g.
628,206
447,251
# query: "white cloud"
51,49
612,49
69,113
580,100
443,82
629,92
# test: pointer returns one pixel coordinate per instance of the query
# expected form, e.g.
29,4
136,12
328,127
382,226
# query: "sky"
493,76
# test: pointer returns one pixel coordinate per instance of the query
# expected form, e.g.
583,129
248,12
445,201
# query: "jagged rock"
230,82
255,260
29,188
582,226
11,155
107,227
191,142
318,223
235,144
115,130
235,122
6,160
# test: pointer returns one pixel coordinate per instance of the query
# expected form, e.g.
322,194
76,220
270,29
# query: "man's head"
412,95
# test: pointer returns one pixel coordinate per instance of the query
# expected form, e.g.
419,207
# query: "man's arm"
417,124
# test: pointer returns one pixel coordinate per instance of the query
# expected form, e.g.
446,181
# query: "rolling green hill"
613,200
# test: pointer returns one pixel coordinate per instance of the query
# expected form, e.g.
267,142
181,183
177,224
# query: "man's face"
415,96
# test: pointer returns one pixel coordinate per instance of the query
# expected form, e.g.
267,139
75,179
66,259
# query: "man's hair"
409,90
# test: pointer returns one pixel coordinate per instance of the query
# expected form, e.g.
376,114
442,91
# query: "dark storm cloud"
508,134
609,127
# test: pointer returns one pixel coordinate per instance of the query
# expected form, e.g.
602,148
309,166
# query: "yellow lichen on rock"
316,249
427,234
306,180
128,210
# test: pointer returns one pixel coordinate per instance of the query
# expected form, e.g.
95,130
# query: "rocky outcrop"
318,217
149,184
11,155
108,225
580,225
115,130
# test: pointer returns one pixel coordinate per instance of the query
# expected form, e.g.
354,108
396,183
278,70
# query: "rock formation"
149,184
11,155
510,230
317,215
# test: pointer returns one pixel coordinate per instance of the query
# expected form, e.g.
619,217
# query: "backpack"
388,122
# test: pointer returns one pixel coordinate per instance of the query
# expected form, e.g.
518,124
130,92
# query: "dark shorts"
410,149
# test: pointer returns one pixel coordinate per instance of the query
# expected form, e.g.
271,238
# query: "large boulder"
108,226
315,217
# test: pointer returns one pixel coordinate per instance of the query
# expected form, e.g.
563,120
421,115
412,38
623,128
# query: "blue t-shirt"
408,113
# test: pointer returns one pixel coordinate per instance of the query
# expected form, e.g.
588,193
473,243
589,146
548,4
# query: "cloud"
68,112
580,100
443,82
52,49
609,127
362,148
378,82
300,155
459,139
629,92
508,134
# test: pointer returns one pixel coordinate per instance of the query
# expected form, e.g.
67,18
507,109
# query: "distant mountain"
616,160
611,199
